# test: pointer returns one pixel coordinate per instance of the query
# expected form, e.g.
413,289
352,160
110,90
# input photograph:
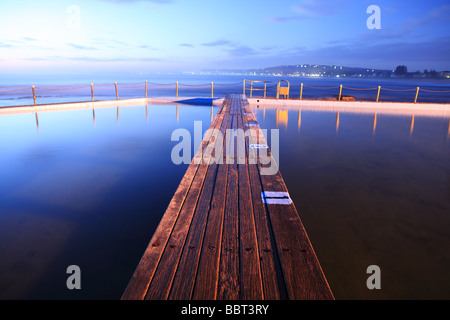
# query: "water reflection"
282,118
337,122
448,131
376,193
37,121
374,124
212,113
84,191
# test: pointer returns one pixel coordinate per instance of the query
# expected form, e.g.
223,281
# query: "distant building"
445,74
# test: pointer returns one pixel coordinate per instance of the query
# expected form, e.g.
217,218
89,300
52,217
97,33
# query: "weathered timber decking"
219,239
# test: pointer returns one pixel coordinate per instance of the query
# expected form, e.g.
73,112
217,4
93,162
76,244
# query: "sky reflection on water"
88,187
371,190
85,187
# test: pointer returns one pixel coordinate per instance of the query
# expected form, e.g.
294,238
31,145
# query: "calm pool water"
88,188
79,190
371,193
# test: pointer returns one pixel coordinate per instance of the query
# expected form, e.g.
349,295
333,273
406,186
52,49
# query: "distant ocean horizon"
16,90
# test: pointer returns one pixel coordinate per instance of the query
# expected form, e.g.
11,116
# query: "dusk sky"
182,36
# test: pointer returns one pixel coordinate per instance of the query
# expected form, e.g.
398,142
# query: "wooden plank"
184,280
162,279
228,284
140,281
273,284
302,272
208,269
218,240
251,283
303,275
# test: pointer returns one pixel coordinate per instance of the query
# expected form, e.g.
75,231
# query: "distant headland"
333,71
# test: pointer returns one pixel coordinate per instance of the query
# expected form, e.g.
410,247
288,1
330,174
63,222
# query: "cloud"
135,1
235,50
286,19
388,51
430,53
46,58
384,34
309,9
99,43
93,59
438,15
147,47
113,59
320,7
17,42
80,47
241,51
216,43
188,45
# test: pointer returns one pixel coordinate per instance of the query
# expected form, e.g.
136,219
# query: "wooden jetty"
225,235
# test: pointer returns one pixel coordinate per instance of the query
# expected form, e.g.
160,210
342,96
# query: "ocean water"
18,91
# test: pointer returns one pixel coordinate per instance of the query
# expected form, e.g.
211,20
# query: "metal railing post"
92,91
378,93
265,85
417,94
146,88
278,90
176,93
34,95
340,92
212,90
117,92
301,91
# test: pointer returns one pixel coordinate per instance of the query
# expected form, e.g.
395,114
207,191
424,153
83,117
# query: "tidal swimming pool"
89,187
371,189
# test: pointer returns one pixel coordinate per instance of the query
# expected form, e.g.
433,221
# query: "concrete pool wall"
107,103
392,108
